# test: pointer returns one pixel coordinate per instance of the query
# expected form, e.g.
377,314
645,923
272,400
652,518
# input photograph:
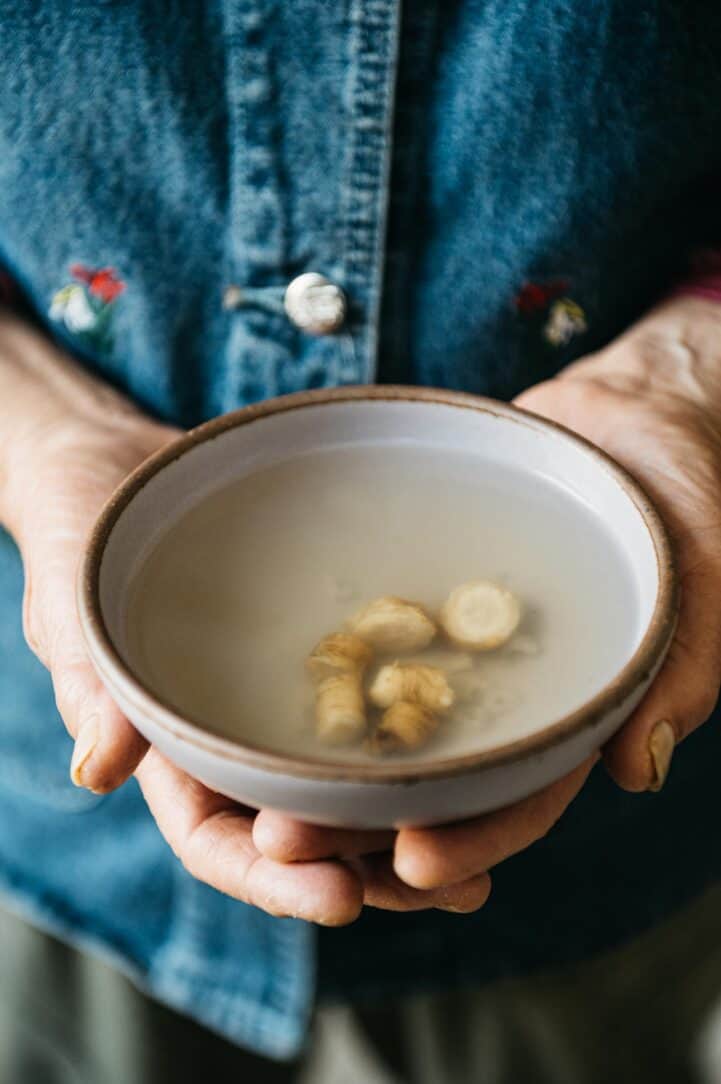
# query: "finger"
433,857
682,696
212,837
286,839
107,746
382,888
58,492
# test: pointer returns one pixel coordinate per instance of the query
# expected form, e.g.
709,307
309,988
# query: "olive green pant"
643,1014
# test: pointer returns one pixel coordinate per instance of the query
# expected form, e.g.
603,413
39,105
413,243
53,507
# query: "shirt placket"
268,341
374,41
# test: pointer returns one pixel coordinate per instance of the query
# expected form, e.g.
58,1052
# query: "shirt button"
314,304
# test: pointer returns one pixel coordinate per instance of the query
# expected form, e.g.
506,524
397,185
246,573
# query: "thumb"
683,695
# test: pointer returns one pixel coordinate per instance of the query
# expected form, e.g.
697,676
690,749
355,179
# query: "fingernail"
85,744
661,746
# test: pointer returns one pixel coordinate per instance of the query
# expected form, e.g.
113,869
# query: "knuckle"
702,701
189,860
32,623
196,852
72,693
200,853
210,854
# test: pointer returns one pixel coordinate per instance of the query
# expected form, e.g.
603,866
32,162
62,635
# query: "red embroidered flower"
534,297
106,285
103,283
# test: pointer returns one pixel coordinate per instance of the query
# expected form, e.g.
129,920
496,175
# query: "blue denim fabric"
190,147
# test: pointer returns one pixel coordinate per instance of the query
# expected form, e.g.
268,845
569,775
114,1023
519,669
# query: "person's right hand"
66,442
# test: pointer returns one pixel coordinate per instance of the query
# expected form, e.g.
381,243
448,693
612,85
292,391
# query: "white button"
314,304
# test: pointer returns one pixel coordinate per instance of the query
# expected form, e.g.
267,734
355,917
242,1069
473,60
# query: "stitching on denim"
374,31
259,240
418,38
258,219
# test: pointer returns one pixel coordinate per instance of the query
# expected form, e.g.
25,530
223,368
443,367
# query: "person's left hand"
652,399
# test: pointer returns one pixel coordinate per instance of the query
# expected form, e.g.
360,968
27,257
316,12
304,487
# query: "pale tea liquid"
230,602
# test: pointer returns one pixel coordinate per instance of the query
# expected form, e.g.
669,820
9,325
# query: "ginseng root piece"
424,685
339,653
404,726
394,625
480,615
340,709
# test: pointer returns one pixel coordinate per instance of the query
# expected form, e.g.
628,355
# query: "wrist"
51,410
41,383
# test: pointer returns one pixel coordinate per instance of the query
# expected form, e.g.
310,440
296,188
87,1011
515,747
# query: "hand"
66,442
652,399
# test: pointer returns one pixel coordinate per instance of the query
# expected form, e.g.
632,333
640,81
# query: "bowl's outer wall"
387,804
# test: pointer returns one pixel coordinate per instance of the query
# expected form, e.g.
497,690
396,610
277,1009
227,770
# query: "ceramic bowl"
388,793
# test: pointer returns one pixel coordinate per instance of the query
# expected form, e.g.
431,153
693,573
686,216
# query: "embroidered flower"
85,306
71,305
103,283
565,320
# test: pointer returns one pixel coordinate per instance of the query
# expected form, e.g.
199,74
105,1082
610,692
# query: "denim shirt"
498,188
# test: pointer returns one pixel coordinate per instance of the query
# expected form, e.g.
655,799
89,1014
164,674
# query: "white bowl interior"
495,437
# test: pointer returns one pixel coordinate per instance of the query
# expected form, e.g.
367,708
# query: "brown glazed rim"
612,696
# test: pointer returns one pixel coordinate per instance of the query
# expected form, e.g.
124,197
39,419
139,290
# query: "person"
517,200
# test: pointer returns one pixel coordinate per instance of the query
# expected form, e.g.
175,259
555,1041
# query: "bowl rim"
116,673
